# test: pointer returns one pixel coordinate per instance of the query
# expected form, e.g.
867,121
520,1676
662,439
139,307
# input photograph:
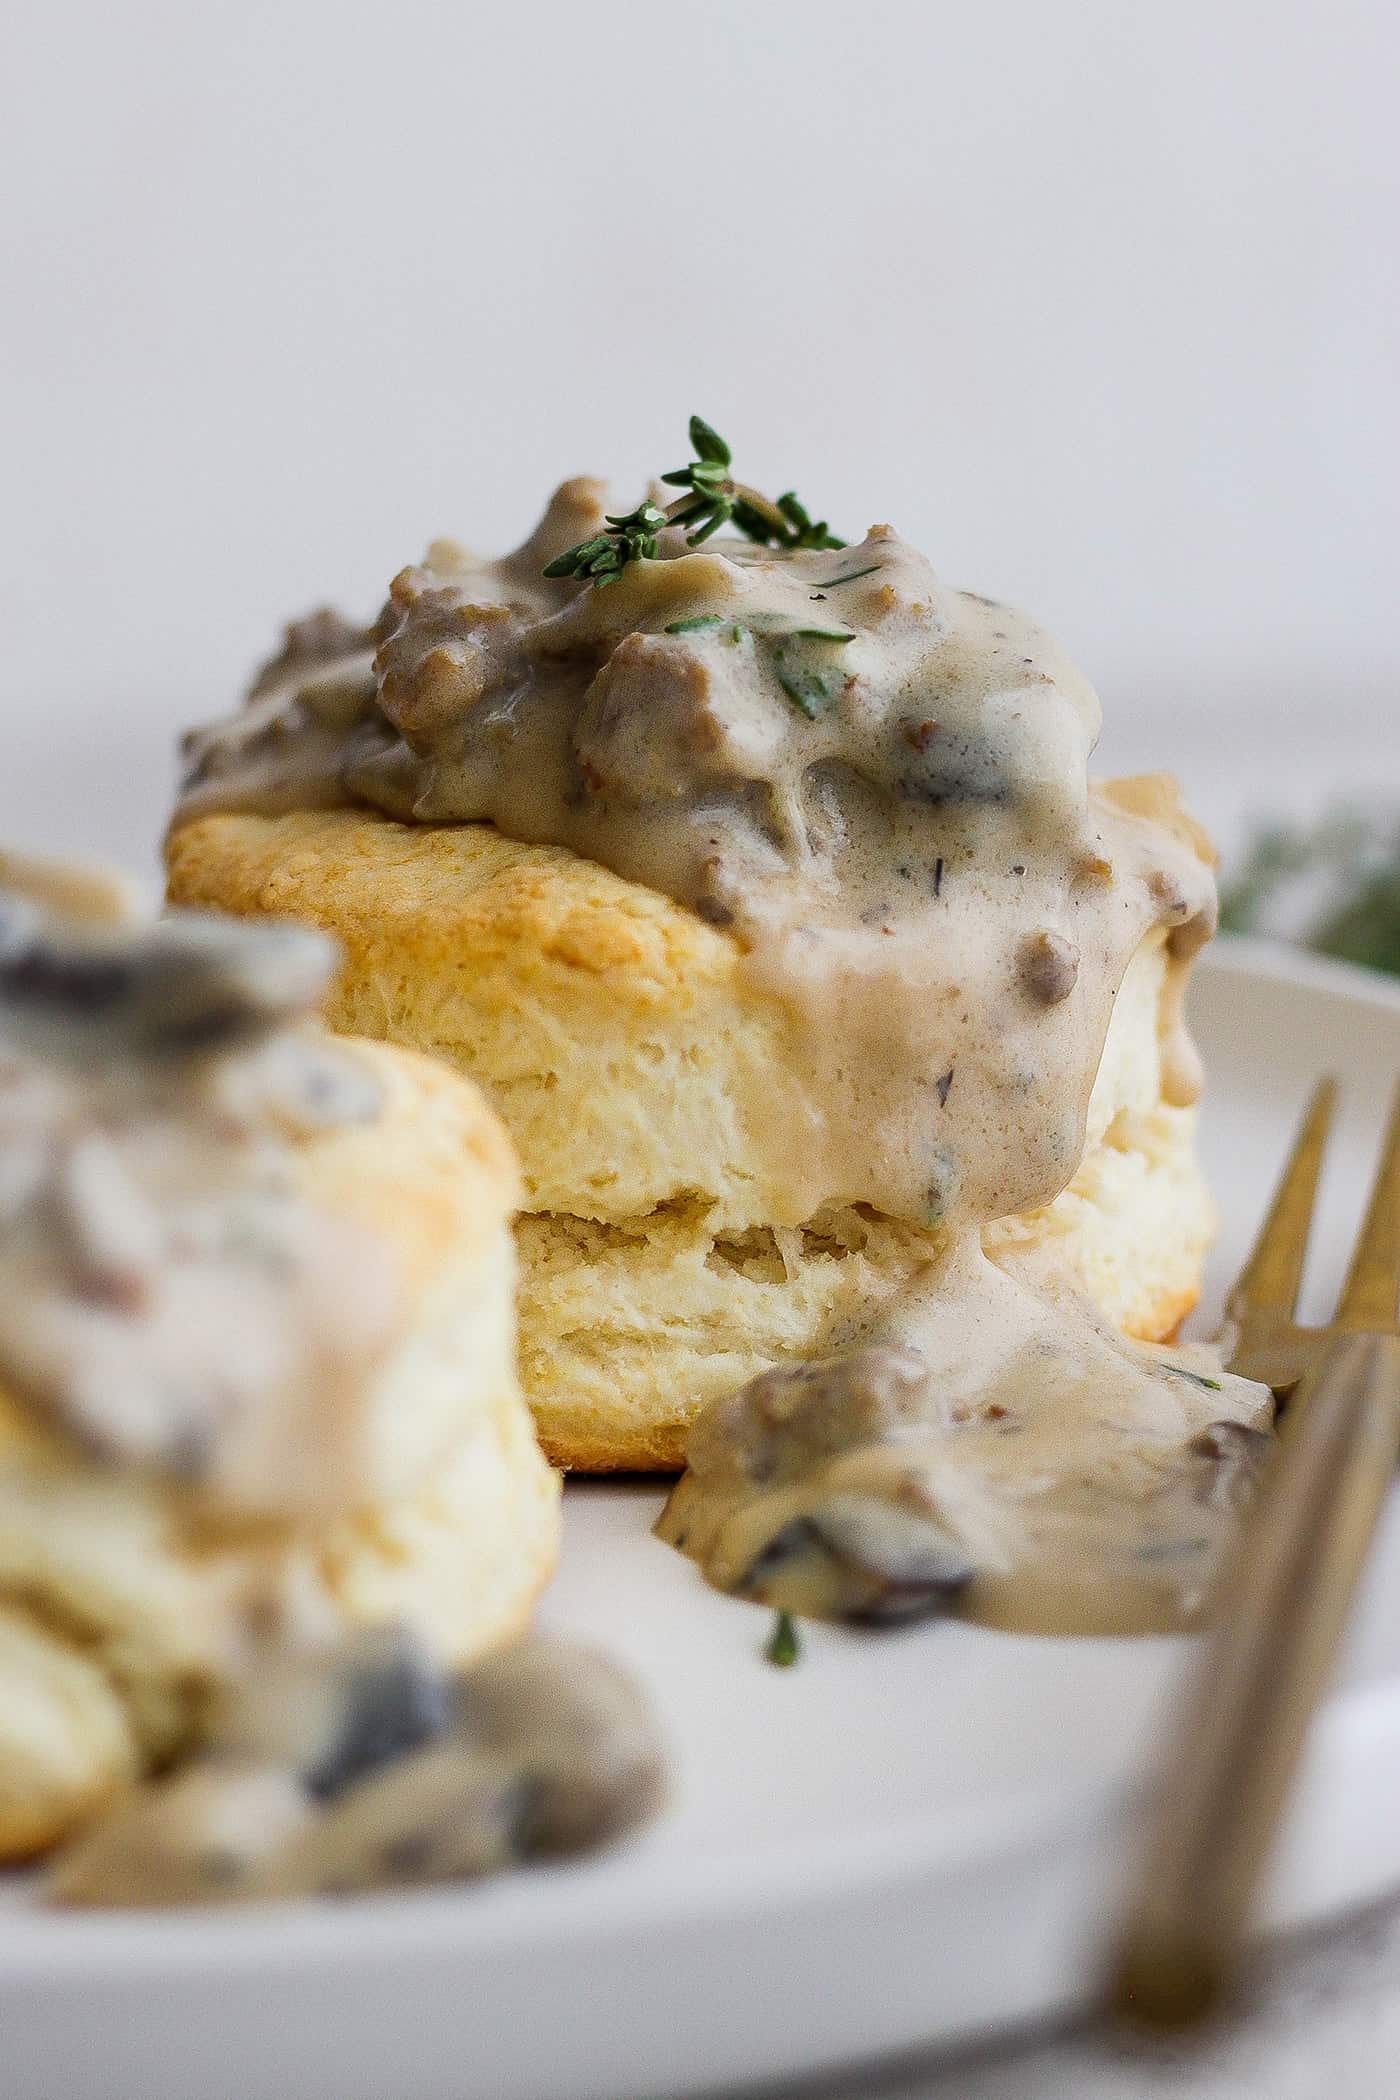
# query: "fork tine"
1373,1280
1275,1268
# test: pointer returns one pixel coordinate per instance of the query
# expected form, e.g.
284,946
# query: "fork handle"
1234,1749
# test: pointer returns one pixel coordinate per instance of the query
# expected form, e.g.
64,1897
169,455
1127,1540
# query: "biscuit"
608,1026
618,1037
627,1332
121,1602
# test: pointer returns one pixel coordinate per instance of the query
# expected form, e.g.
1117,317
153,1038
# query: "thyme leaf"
784,1648
708,444
852,576
1209,1385
808,689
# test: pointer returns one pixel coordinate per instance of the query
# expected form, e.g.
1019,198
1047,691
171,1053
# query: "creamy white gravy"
373,1766
169,1298
880,786
995,1449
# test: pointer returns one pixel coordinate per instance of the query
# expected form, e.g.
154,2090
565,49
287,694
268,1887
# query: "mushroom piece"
792,1418
1048,966
282,745
189,985
450,649
334,1715
1233,1457
580,1730
855,1556
551,1751
667,718
320,641
440,1814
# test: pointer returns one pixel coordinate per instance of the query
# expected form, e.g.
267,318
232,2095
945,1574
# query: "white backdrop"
1098,302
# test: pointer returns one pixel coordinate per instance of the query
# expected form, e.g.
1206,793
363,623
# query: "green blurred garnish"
1334,886
783,1647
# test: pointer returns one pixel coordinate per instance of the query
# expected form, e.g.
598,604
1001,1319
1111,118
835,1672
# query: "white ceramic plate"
909,1838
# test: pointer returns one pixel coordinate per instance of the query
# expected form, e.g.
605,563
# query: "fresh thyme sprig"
710,503
712,500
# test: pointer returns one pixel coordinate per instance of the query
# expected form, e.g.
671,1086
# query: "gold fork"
1285,1599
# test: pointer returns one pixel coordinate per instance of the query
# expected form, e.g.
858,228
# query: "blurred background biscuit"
124,1599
